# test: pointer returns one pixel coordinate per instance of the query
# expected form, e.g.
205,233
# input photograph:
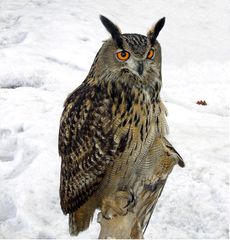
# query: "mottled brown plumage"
133,220
110,126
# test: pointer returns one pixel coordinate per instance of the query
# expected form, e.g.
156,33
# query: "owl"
112,133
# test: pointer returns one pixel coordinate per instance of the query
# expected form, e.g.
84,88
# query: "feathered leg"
81,218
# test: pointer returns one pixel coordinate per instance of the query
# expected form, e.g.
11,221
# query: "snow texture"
46,49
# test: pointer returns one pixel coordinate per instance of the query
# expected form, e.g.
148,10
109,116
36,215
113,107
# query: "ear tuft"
154,31
113,30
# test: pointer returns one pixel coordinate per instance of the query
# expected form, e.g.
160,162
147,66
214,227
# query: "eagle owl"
112,132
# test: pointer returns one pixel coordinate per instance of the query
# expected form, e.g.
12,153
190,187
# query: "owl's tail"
81,218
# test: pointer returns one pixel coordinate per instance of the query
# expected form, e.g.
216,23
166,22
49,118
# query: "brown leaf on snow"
201,102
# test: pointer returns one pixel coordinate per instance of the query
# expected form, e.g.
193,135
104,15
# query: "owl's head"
131,55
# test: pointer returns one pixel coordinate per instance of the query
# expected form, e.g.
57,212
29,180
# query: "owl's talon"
120,204
126,197
99,217
131,202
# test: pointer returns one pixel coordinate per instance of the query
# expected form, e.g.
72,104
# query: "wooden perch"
120,227
117,218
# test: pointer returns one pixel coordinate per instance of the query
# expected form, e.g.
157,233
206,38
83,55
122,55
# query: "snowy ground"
46,49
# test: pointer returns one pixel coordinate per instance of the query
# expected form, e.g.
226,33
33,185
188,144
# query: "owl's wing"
168,156
85,145
180,160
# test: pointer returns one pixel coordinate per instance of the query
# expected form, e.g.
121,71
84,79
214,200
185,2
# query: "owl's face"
130,55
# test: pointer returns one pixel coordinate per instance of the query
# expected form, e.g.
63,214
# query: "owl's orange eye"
151,54
123,55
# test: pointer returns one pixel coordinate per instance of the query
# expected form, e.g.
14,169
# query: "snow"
46,49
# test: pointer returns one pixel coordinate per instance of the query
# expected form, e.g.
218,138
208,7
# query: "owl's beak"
140,68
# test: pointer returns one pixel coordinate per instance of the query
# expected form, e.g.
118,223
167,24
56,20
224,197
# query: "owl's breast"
135,131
